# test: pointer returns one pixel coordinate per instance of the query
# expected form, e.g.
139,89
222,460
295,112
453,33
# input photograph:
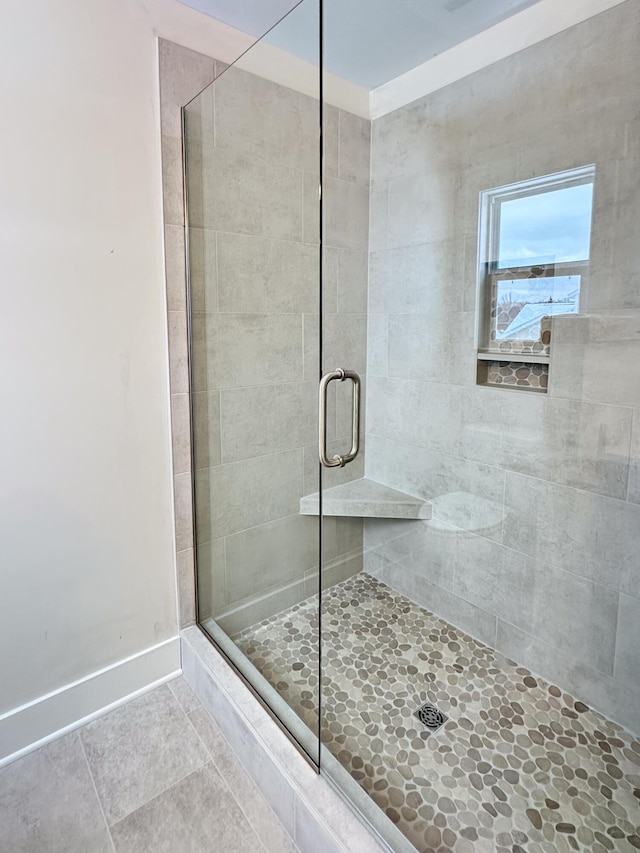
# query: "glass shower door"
252,179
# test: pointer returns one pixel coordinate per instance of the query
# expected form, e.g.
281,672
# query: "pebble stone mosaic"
518,767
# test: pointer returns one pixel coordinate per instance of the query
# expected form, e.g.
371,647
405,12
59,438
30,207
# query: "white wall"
87,572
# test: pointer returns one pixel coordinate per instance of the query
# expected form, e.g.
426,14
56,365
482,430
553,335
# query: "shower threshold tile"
517,765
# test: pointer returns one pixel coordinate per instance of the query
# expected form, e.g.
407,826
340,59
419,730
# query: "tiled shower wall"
535,543
252,182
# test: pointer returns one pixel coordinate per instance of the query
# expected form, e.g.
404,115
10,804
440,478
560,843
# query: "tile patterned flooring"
153,775
520,766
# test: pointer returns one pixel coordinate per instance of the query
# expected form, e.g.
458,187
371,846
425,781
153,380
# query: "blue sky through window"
547,227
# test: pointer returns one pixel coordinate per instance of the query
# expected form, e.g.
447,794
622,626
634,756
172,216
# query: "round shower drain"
430,716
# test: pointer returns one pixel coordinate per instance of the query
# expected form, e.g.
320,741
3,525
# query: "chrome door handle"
338,461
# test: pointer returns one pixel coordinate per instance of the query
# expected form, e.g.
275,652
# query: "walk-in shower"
414,324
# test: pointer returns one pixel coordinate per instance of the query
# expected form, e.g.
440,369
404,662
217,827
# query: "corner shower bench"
366,498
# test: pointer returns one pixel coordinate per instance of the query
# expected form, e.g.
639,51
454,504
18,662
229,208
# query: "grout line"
159,793
240,768
173,784
93,782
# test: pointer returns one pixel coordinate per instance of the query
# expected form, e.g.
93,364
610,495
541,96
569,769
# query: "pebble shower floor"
519,766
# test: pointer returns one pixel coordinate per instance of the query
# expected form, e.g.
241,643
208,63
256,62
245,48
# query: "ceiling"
366,41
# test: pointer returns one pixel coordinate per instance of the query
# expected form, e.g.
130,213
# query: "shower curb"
310,810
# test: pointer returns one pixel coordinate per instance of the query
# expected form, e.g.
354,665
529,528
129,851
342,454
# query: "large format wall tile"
254,490
616,698
426,549
585,445
266,120
354,145
627,665
203,270
417,279
267,419
206,428
212,587
266,276
419,413
253,197
352,281
584,533
344,340
466,616
577,615
633,493
252,349
596,358
433,348
346,214
378,344
429,474
266,556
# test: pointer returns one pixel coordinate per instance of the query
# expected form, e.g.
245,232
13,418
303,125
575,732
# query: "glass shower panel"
252,176
481,674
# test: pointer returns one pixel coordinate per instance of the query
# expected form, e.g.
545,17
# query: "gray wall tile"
427,549
267,121
172,181
433,348
183,74
467,617
267,419
266,556
633,491
593,536
418,413
180,433
178,349
252,349
175,270
206,428
352,282
186,587
627,663
596,358
418,278
255,491
212,586
594,687
574,443
330,136
266,276
355,141
203,269
182,498
253,196
571,612
346,214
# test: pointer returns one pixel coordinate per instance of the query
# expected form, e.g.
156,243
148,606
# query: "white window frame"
489,273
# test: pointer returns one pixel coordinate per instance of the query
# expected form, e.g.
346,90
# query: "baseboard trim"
35,723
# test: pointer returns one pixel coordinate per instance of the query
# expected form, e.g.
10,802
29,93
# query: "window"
533,263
